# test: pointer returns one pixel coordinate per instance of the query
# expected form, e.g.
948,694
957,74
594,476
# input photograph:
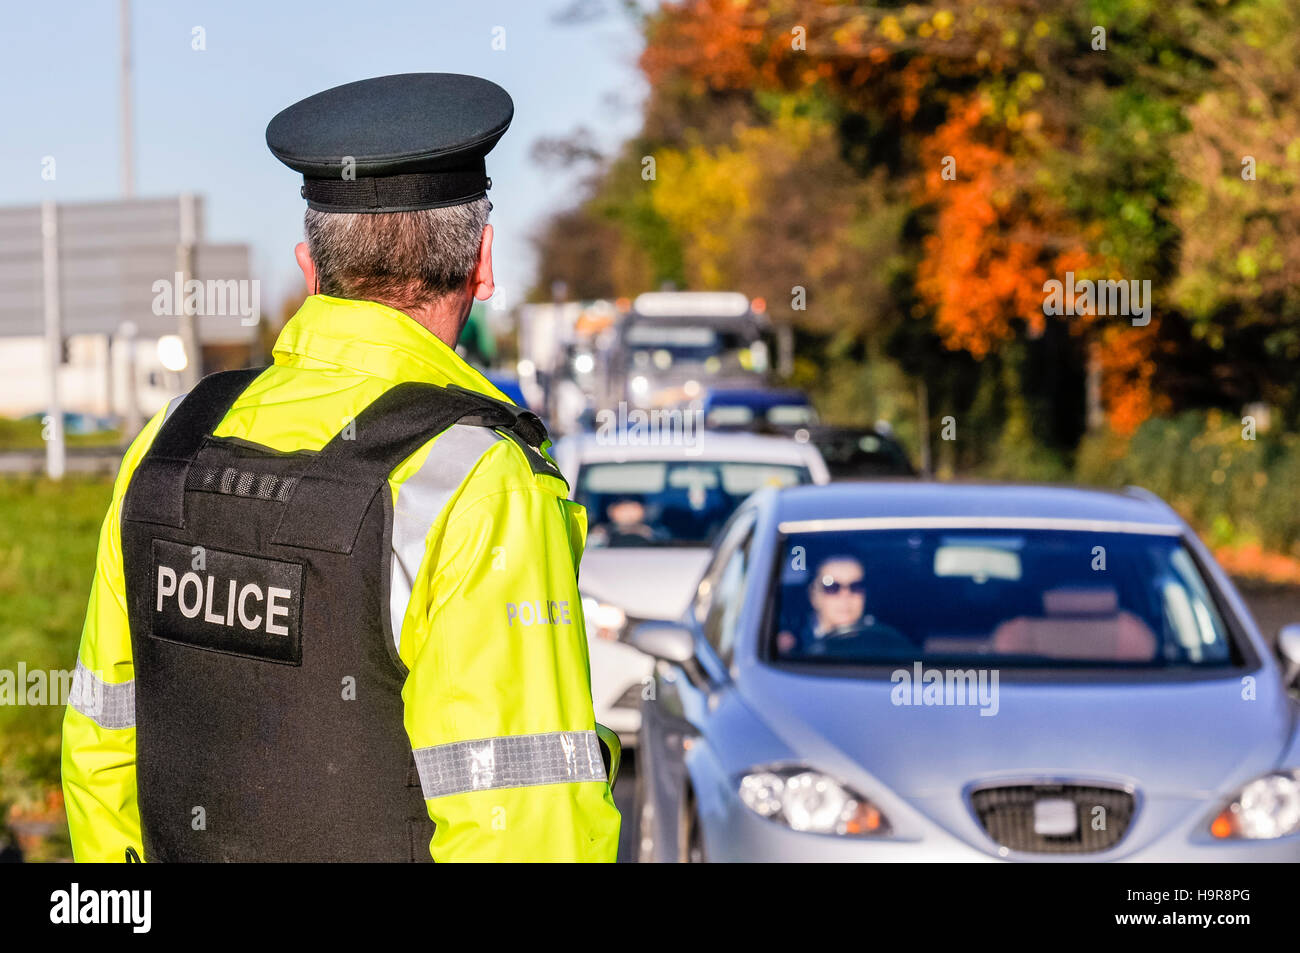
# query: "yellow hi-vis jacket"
475,532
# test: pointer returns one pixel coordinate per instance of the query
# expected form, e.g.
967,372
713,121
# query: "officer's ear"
481,285
303,254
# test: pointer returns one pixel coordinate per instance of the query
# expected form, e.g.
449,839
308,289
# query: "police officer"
336,614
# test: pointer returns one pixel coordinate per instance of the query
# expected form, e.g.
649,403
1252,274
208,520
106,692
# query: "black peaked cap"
415,140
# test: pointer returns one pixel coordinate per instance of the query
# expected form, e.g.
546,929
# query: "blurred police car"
753,408
851,453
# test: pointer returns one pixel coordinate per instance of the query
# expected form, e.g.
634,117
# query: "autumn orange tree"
921,170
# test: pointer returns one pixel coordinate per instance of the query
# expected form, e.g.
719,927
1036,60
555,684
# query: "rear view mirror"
1288,647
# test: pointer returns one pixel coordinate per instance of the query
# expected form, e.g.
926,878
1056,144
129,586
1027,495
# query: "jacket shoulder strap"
157,490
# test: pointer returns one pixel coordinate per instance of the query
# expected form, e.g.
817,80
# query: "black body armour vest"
269,716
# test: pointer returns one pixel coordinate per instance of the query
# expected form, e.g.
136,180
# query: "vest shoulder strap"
525,428
157,490
331,496
330,499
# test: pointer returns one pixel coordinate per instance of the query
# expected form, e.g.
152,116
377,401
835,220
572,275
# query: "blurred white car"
652,512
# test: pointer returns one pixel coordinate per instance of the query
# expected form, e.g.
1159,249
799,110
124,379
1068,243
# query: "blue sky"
200,116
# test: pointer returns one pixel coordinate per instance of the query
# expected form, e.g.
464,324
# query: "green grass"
48,537
26,435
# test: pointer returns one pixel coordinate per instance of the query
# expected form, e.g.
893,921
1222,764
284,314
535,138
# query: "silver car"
944,672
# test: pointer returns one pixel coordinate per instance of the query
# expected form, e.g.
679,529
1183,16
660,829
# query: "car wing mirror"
672,643
664,640
1288,648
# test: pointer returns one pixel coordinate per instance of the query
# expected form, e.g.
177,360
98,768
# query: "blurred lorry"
671,345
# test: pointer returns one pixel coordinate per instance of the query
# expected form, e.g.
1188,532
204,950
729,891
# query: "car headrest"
1080,601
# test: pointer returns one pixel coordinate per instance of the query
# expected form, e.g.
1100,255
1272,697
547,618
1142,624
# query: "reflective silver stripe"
511,761
172,405
419,501
106,704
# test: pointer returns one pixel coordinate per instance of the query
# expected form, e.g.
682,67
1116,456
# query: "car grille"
1008,816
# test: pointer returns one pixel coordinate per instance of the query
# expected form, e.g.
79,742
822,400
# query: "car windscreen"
659,347
1040,598
670,503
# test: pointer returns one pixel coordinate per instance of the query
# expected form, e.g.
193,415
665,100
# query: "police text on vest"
189,592
237,603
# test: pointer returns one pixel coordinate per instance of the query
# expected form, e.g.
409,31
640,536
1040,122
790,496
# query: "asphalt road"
624,795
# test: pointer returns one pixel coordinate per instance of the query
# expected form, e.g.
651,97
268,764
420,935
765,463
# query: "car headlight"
806,800
1266,808
606,620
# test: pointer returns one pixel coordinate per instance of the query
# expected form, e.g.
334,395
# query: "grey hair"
401,259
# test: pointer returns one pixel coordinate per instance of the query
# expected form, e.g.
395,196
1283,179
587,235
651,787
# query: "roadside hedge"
1233,489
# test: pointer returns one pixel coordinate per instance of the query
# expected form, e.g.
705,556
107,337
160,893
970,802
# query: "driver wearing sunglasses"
838,622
